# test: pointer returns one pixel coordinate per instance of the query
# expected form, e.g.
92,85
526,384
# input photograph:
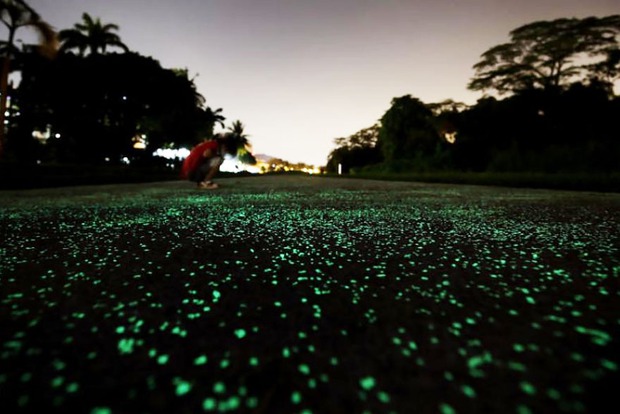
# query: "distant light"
125,160
450,137
139,141
172,153
57,135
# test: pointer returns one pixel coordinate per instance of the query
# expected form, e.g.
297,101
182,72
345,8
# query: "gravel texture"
287,294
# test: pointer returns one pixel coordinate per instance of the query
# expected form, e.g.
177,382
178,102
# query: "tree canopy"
15,14
407,129
91,35
552,54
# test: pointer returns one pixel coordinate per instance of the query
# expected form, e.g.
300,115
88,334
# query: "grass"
307,294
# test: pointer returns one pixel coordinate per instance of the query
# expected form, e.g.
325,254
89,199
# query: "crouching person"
204,160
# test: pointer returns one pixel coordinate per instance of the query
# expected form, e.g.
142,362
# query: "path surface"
308,294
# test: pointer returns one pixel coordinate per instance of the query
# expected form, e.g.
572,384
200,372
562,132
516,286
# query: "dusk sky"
300,73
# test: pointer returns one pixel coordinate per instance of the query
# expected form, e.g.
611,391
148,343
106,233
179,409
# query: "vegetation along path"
306,294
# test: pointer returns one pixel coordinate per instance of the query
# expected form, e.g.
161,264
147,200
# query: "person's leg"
199,174
214,167
211,167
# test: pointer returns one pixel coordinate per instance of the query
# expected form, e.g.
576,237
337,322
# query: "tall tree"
366,137
99,104
237,133
240,140
549,54
15,14
213,118
407,130
356,151
91,35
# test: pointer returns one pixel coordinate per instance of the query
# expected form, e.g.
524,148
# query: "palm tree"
240,140
238,134
211,118
15,14
91,35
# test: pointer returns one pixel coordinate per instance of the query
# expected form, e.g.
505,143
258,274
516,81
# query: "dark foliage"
96,105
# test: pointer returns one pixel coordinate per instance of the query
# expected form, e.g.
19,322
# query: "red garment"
196,157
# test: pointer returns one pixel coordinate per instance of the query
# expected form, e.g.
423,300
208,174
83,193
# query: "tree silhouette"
91,35
549,54
212,118
15,14
237,133
239,140
99,104
356,151
407,130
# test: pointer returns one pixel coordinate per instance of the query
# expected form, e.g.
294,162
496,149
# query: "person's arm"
208,153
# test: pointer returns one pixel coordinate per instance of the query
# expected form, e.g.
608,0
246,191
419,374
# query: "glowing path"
308,295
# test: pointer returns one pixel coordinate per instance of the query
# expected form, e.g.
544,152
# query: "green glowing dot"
201,360
163,359
446,409
120,330
101,410
577,357
240,333
182,387
476,361
610,365
73,387
304,369
254,361
224,363
368,383
527,388
59,365
209,404
517,366
469,391
522,409
554,394
219,388
252,402
296,397
125,345
384,397
57,382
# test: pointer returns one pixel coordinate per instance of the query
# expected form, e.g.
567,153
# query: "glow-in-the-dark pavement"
308,295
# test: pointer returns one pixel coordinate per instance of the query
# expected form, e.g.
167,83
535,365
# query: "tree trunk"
4,90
